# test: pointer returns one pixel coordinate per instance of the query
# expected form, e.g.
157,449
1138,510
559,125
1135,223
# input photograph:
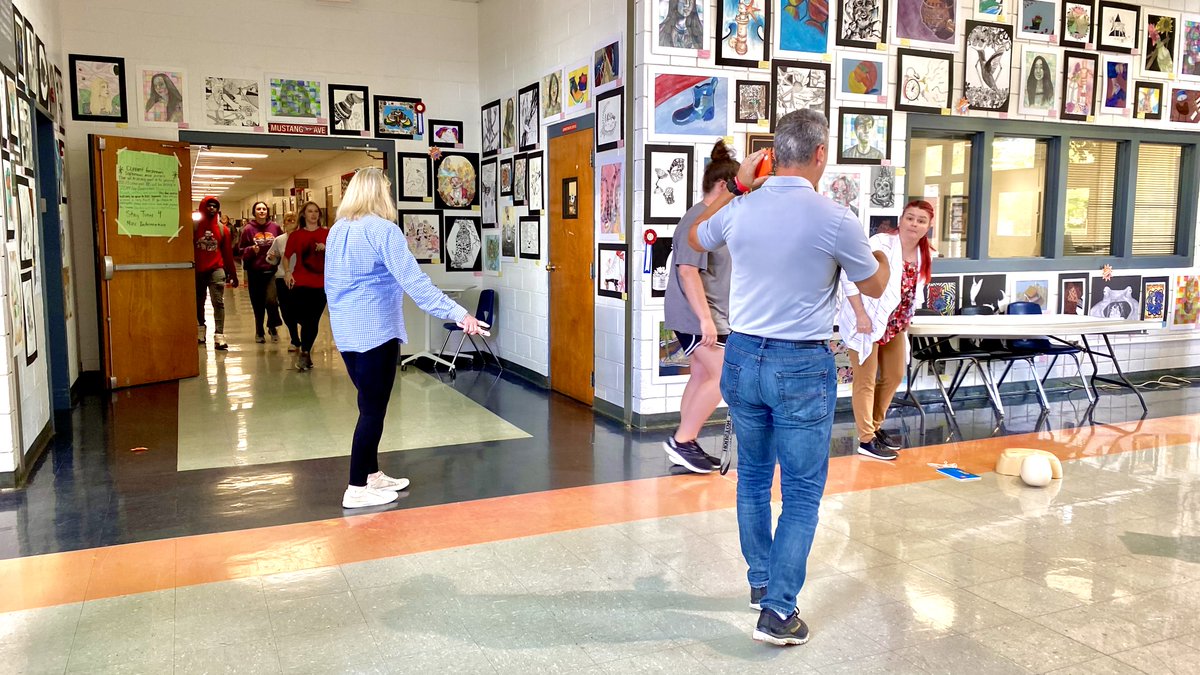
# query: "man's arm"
874,285
716,205
746,175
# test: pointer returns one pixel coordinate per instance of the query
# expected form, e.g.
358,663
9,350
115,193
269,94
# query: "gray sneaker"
782,632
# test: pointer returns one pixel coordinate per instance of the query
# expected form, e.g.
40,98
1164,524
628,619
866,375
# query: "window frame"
1058,136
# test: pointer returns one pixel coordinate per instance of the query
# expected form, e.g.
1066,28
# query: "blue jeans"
781,395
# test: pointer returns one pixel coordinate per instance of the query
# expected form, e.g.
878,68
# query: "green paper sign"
148,194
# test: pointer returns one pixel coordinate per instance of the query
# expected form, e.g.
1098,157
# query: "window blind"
1091,184
1156,203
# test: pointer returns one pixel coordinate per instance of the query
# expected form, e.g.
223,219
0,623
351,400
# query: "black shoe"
260,339
756,596
792,631
887,440
716,462
687,455
870,449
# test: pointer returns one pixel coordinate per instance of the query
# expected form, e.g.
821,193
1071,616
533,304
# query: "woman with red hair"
875,330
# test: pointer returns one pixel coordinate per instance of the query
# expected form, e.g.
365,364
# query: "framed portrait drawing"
611,271
610,119
423,230
800,30
1117,72
462,242
861,23
530,237
692,105
1116,27
681,27
1037,20
1189,47
1160,43
232,102
923,80
756,142
97,88
529,118
861,77
416,177
506,177
798,85
1078,18
508,124
398,116
987,74
446,133
456,180
162,96
1079,85
520,183
489,118
668,183
1185,105
535,194
750,103
929,24
552,95
743,33
1039,80
348,114
865,135
1148,100
846,185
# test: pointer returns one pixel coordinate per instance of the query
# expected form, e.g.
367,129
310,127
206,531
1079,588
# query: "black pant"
373,373
283,295
260,300
308,304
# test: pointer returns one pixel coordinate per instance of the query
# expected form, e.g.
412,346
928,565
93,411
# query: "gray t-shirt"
715,270
788,246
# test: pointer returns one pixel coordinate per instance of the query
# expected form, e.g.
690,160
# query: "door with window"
571,238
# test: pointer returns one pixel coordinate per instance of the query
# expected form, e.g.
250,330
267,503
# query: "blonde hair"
369,194
290,222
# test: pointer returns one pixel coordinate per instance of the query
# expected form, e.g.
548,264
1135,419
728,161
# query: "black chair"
485,311
930,351
998,351
1040,345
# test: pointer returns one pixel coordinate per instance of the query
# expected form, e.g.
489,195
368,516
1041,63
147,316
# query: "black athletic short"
690,341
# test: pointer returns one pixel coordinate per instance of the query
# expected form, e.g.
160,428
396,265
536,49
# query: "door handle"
551,268
108,268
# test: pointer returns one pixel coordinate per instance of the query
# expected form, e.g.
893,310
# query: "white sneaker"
200,334
359,497
219,342
381,481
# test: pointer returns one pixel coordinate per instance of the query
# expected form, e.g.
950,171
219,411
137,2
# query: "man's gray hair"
797,135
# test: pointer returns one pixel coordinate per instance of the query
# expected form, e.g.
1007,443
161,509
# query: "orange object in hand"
767,166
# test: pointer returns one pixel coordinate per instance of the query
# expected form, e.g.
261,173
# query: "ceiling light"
222,168
233,155
217,176
213,181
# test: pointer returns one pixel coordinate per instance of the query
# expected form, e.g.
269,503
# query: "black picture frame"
570,209
424,212
650,178
339,110
1166,300
532,158
603,112
600,289
862,44
1138,87
19,42
402,177
384,129
505,177
449,220
903,84
489,216
1098,28
490,148
31,57
520,179
737,101
433,125
873,113
1010,31
60,111
1062,106
438,199
756,142
43,78
722,23
1064,37
1082,279
534,222
529,117
777,66
122,115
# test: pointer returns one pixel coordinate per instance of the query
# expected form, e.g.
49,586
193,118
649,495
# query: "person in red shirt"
257,236
214,266
307,279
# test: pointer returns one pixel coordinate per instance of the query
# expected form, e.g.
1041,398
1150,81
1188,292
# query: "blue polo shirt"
788,245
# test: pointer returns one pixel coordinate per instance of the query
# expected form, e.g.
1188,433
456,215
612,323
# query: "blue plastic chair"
485,311
1041,345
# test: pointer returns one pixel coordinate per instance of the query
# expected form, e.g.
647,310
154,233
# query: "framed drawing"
931,24
610,119
529,121
506,177
611,271
1189,47
864,135
43,77
1078,17
18,29
987,78
750,104
163,94
610,201
606,64
1039,81
756,142
530,232
1185,105
883,188
1079,85
416,177
1073,293
862,23
348,114
570,198
1154,298
681,27
491,254
30,56
955,215
552,98
1035,290
232,102
1116,71
488,199
668,183
798,85
846,185
398,117
1116,298
861,77
296,101
1160,43
690,106
1147,100
800,29
941,295
983,290
423,230
456,180
446,133
535,196
923,80
520,184
489,118
462,240
1116,27
578,95
1038,20
508,233
508,125
743,33
97,88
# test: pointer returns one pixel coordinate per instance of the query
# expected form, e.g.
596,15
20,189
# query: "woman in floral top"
876,330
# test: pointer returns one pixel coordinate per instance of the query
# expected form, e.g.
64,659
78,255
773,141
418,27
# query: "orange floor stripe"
60,578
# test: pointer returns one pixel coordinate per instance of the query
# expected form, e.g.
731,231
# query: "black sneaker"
887,440
869,449
688,456
716,462
792,631
756,596
260,339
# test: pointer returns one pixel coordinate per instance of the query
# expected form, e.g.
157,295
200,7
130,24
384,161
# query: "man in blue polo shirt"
788,244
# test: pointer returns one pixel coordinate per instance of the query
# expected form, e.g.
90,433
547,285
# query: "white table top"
1022,325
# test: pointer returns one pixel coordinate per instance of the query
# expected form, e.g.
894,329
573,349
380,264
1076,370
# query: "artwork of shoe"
703,106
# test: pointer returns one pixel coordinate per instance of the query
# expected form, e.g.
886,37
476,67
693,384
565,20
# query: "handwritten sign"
147,194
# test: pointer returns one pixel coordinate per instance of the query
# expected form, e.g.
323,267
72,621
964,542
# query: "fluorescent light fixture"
233,155
210,181
216,176
208,167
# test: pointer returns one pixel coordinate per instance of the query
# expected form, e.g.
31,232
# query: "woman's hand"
863,324
472,326
708,332
289,280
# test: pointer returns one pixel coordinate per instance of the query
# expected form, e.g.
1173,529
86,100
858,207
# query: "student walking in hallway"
307,279
214,267
282,292
257,237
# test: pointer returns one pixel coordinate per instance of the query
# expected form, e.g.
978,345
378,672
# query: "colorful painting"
681,27
398,117
456,181
923,81
1077,23
579,93
743,27
606,67
1116,84
506,177
862,78
801,27
1189,47
1072,294
1036,291
423,231
1117,26
941,295
865,135
1079,88
1038,20
1154,298
689,105
988,71
295,100
232,102
162,96
446,133
491,254
1039,77
611,202
862,23
552,101
1147,97
1185,105
1185,310
931,23
797,85
991,7
1158,55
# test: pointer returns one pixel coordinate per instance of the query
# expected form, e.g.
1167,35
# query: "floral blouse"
902,315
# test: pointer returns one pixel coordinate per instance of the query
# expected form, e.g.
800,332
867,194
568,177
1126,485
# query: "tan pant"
871,399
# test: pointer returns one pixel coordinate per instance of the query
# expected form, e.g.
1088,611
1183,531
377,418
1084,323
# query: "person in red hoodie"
214,267
307,279
257,236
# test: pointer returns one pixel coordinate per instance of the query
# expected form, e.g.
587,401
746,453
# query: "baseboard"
609,410
530,376
15,479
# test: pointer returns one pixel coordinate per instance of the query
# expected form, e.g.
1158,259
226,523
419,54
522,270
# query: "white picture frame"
1028,100
706,12
661,125
178,79
846,66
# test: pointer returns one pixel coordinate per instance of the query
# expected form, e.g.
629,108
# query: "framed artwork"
845,185
97,88
751,101
606,63
660,259
552,100
446,133
28,293
690,106
610,202
348,110
798,85
30,56
508,125
398,117
570,198
18,26
883,223
60,97
535,196
610,119
531,237
931,24
1154,298
861,77
1185,302
456,180
24,119
989,8
941,295
423,230
530,124
743,33
232,102
162,96
672,364
801,29
861,23
681,27
520,184
491,254
1038,20
506,177
668,183
416,177
923,80
1035,290
1116,70
865,135
610,271
756,142
1078,17
462,240
1160,42
1185,105
578,96
883,187
488,199
296,101
956,214
1079,85
1039,81
1147,100
1116,27
1073,293
1116,298
987,75
983,290
43,77
1189,47
509,234
490,127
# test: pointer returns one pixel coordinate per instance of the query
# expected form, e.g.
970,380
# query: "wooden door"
147,283
572,292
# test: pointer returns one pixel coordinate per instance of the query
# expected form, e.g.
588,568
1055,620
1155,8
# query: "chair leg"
459,350
990,385
493,354
1007,367
445,342
941,387
1050,368
960,374
1087,388
1038,383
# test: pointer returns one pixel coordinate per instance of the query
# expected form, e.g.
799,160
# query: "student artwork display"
660,259
862,23
985,290
865,135
490,126
399,117
1038,20
883,187
535,194
923,80
423,230
1189,47
487,191
756,142
162,96
531,237
606,67
97,87
348,110
743,33
1147,97
1039,81
1077,20
688,105
1116,26
520,184
801,27
43,76
797,85
610,119
552,103
16,306
570,198
529,131
1036,291
1079,85
610,271
862,78
463,242
990,7
579,94
885,224
668,184
416,177
1072,294
18,28
508,233
611,200
295,101
446,133
506,177
987,73
844,185
751,101
1116,298
1185,308
1154,298
1159,42
1115,98
941,295
491,254
673,364
456,177
27,221
1185,105
928,23
28,293
508,125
